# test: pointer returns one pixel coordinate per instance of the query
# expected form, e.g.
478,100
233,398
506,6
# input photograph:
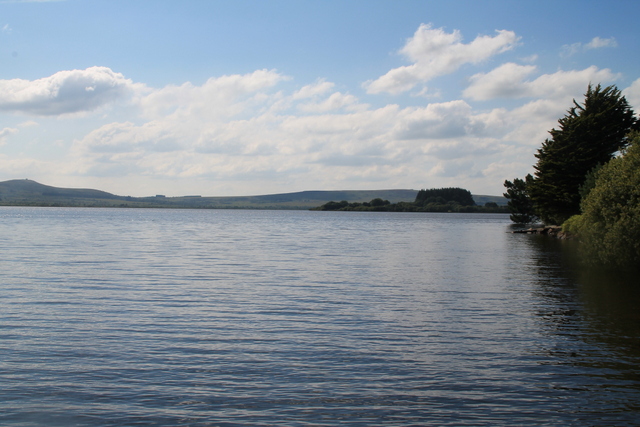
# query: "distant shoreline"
24,192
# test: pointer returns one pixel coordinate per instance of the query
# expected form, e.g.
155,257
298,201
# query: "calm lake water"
127,317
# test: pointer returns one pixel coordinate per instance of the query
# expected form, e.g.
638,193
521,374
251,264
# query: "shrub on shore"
609,225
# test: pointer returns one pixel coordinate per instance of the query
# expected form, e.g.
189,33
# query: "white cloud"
335,101
632,93
427,92
4,133
503,82
28,123
508,81
127,138
65,92
570,49
500,171
527,126
321,149
242,134
12,167
595,43
435,121
435,53
452,169
309,91
218,97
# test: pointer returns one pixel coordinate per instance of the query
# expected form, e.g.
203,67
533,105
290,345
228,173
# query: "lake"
133,317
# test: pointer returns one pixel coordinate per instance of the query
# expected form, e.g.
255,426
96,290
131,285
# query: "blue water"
127,317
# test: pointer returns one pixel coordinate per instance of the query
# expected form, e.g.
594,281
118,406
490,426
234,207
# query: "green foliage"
520,204
334,206
444,195
588,135
589,182
611,212
379,202
574,225
433,200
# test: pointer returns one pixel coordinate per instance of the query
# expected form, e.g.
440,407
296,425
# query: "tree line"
587,178
431,200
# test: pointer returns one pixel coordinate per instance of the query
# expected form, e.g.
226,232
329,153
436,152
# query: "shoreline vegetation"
26,192
450,200
587,181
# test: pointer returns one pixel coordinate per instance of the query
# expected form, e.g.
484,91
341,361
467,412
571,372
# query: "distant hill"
24,192
482,199
26,189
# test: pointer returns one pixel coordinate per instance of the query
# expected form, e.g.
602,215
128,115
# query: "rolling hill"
25,192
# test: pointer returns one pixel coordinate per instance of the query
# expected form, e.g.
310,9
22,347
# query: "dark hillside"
25,192
26,189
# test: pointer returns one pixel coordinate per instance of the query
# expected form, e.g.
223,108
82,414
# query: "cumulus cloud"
309,91
434,52
65,92
506,81
218,97
4,133
336,101
595,43
250,133
127,137
509,81
435,121
13,167
28,123
330,146
632,93
452,169
243,132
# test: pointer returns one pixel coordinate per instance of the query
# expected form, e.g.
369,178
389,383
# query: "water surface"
210,317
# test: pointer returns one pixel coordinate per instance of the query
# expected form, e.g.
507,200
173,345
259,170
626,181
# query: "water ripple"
169,317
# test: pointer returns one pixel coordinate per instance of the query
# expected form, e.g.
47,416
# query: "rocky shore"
549,230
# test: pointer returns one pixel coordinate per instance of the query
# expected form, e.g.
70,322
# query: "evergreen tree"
520,204
445,195
588,135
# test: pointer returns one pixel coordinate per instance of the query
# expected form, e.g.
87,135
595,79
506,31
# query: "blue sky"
254,97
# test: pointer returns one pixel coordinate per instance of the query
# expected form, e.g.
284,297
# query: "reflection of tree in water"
595,316
557,299
608,300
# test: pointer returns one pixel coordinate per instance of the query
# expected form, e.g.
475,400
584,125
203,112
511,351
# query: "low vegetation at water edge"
432,200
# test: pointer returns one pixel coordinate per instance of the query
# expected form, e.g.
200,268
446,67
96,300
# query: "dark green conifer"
444,195
588,135
520,204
